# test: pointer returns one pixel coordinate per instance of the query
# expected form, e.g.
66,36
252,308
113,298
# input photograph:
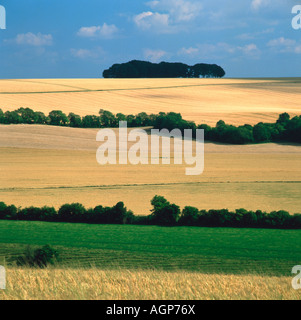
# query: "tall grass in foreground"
91,284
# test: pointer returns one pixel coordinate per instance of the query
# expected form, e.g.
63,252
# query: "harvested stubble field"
236,101
45,165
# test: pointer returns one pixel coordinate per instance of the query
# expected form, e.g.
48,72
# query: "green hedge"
284,129
163,213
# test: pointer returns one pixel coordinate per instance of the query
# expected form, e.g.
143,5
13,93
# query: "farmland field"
148,262
237,101
48,165
207,250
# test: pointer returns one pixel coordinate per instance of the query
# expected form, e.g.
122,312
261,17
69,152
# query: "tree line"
284,129
145,69
105,119
163,213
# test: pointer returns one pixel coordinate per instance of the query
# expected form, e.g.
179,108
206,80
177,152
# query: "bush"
189,216
58,118
74,212
3,207
40,257
31,213
142,220
164,213
278,219
8,212
120,215
295,221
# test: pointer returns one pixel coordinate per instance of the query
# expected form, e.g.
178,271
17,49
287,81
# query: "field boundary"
113,186
140,88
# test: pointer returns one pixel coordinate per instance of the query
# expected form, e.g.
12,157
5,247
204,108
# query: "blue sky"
72,38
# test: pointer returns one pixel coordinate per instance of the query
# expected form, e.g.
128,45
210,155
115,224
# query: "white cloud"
298,49
32,39
104,31
250,49
178,10
153,20
189,51
256,4
154,55
220,49
281,42
207,50
86,53
168,16
285,45
255,35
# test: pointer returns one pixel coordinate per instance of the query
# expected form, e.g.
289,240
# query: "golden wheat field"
45,165
96,284
236,101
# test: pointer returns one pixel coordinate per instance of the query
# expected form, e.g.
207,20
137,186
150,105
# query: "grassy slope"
210,250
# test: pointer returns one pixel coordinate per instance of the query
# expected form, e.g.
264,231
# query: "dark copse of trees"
163,213
145,69
284,129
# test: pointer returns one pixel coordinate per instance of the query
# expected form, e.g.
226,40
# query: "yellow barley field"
237,101
96,284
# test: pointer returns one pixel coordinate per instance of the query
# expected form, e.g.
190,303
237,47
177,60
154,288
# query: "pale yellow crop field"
45,165
237,101
96,284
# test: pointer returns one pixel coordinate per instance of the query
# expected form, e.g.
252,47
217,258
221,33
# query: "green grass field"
206,250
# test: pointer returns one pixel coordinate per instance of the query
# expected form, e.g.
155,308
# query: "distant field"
205,250
237,101
95,284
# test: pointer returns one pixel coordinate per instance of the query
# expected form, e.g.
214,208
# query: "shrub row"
163,213
284,129
105,119
74,212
